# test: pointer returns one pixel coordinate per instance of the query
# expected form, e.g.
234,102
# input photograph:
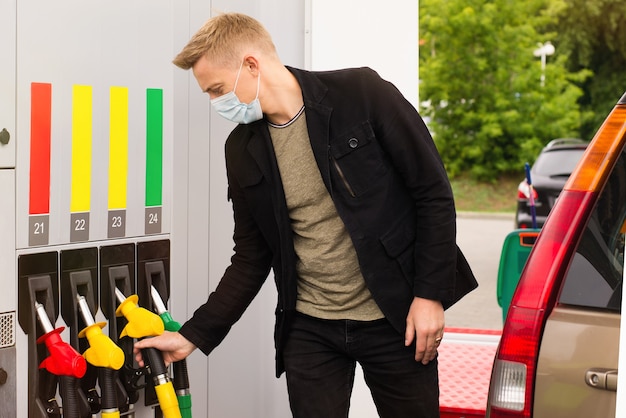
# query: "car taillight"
513,376
511,381
523,191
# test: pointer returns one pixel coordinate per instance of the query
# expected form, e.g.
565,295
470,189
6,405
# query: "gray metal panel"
70,43
191,202
7,242
114,44
7,83
189,249
8,395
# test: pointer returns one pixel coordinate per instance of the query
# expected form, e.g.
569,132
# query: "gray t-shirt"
330,284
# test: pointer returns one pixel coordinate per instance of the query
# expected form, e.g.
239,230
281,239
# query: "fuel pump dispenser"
181,378
143,323
117,267
153,271
78,276
104,354
52,363
65,362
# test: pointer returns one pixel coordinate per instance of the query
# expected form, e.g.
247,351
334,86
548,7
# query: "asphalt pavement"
480,236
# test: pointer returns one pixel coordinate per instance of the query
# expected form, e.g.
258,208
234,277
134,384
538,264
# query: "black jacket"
384,174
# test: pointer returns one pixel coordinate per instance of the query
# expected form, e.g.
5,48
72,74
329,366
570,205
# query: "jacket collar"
318,126
313,90
317,118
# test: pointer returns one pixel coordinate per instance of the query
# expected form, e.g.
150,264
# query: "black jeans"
320,359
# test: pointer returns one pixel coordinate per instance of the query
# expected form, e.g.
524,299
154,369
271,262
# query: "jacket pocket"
246,181
357,159
249,177
399,244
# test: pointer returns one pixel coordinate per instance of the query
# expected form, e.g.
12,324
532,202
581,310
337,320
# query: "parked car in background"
548,175
558,355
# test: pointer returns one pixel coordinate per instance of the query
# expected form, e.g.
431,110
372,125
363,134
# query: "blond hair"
224,39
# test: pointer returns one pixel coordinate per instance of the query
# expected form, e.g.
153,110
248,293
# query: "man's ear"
251,63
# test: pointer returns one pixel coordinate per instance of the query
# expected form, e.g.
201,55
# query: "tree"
487,109
591,33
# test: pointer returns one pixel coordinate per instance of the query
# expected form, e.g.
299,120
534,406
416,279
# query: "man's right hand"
172,345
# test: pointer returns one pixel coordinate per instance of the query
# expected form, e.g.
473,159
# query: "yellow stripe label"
82,116
118,148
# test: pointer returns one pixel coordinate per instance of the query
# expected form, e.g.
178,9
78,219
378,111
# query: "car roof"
561,143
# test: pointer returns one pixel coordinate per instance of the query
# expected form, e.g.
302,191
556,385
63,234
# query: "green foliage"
591,33
488,111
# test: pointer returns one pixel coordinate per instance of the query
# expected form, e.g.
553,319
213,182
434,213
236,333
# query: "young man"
337,186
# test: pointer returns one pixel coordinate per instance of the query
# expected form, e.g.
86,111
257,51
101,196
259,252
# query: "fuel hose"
104,354
108,393
181,377
68,388
143,323
64,361
162,384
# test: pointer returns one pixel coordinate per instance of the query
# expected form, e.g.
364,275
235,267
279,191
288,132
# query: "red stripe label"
40,126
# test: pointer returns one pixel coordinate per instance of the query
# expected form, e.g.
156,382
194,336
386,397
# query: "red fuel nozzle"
64,360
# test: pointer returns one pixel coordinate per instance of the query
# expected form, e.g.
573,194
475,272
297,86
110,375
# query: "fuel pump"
78,276
104,354
143,323
64,361
181,378
117,267
52,363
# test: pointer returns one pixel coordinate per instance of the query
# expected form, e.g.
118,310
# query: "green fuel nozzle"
161,310
181,377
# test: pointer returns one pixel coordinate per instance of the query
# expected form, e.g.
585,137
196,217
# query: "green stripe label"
154,147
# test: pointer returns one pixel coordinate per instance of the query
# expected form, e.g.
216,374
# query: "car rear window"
594,278
557,162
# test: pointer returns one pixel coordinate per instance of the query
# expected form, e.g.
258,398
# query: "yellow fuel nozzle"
141,322
102,351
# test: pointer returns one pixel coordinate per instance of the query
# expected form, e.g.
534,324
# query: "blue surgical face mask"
230,107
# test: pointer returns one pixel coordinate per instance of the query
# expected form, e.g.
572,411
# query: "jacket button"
353,142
